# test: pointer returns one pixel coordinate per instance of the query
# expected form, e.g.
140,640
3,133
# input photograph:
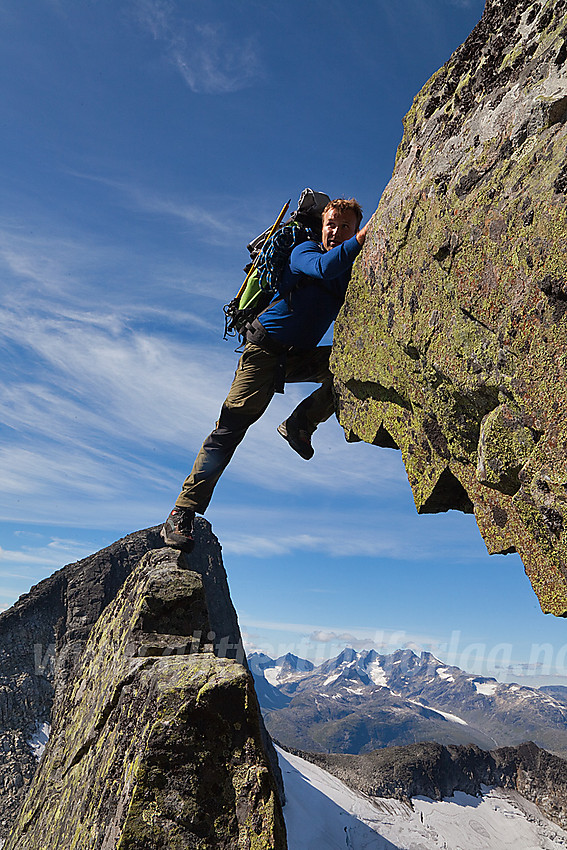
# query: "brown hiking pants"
252,390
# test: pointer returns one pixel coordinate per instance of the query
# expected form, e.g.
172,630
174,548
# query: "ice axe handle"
273,228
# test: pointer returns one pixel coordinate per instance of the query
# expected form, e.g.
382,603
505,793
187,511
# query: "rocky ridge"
451,342
156,734
431,770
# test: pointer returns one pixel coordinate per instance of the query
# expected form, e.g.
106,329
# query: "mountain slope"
322,811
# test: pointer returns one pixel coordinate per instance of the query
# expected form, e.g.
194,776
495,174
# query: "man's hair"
344,205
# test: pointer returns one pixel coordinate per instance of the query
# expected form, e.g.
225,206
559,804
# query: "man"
282,345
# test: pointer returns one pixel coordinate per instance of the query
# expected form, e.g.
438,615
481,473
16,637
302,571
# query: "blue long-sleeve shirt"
313,287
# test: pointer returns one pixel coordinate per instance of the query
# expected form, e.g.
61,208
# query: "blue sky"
143,144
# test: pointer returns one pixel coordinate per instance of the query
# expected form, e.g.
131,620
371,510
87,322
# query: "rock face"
452,342
434,771
157,741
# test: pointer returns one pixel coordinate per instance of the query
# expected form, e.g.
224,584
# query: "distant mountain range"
362,701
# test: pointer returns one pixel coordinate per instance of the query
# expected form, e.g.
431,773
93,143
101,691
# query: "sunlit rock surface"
452,342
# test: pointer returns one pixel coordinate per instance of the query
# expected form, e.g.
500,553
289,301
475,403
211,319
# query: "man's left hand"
361,234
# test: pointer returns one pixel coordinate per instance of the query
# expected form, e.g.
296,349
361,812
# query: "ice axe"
271,231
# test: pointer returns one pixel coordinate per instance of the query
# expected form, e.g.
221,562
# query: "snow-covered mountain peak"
347,656
283,669
374,700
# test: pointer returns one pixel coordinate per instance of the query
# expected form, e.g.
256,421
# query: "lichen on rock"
452,342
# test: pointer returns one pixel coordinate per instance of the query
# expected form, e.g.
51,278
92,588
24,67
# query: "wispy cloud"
211,63
71,276
462,4
215,220
51,262
155,15
94,407
51,554
205,54
81,378
38,556
320,642
381,532
226,224
371,545
383,640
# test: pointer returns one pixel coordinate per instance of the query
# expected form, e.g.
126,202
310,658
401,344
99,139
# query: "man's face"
338,227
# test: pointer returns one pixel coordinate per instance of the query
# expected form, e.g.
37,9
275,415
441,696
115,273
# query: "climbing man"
281,347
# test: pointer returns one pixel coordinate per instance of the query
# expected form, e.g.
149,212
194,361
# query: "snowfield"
451,717
39,739
487,689
322,813
272,674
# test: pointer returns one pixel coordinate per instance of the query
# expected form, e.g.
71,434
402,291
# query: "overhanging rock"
452,343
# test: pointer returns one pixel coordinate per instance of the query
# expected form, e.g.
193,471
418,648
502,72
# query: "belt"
257,334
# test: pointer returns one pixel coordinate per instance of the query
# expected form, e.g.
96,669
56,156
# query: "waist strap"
257,334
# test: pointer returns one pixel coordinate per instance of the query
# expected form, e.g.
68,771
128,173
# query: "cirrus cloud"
208,58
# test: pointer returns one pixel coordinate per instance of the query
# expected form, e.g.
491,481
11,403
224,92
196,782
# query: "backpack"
269,253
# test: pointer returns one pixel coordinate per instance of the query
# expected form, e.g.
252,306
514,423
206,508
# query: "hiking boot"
298,438
178,529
